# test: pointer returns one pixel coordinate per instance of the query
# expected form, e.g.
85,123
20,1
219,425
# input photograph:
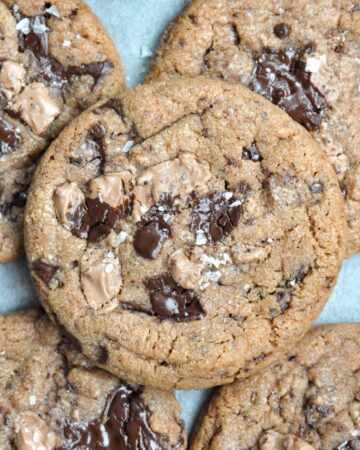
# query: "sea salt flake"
200,238
122,237
24,26
32,400
53,11
127,147
313,65
236,203
66,43
38,27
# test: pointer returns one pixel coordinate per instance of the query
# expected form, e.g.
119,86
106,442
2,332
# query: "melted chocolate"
9,138
116,106
44,271
280,76
215,216
282,30
170,301
123,425
153,230
252,153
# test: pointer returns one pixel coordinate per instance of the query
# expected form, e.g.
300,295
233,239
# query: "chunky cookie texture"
52,398
303,56
309,400
55,61
190,228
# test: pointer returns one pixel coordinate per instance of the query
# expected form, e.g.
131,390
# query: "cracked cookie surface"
309,400
189,227
55,61
52,398
303,56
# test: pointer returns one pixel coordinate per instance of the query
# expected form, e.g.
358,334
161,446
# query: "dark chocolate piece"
44,270
124,424
153,230
170,301
9,138
280,76
216,216
252,153
236,35
282,30
95,220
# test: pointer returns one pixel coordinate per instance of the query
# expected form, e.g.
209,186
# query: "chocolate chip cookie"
188,227
55,61
304,56
52,398
309,400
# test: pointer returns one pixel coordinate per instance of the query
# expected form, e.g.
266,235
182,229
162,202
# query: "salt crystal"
24,26
127,147
122,237
53,11
38,27
32,400
66,43
200,238
313,65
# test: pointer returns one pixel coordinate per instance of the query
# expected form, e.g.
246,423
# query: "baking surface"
136,27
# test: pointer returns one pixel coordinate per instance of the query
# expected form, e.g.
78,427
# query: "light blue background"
136,27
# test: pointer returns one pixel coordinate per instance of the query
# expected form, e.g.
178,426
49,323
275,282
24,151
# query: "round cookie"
55,61
309,400
302,55
51,397
189,227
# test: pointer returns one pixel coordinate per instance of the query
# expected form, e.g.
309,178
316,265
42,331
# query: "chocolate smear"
280,76
124,424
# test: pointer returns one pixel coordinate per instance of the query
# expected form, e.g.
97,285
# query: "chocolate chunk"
103,355
153,230
356,7
317,187
124,424
252,153
96,135
37,40
96,69
95,220
9,138
299,276
280,76
282,30
95,142
44,270
314,414
216,216
170,301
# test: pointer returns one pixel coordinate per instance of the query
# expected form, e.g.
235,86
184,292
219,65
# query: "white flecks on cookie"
12,78
100,276
128,146
67,199
53,11
32,433
36,106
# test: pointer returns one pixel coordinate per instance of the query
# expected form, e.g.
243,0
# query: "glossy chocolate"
170,301
280,76
123,425
153,230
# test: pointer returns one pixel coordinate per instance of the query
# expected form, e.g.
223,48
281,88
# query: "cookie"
51,397
303,56
309,400
55,61
188,227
